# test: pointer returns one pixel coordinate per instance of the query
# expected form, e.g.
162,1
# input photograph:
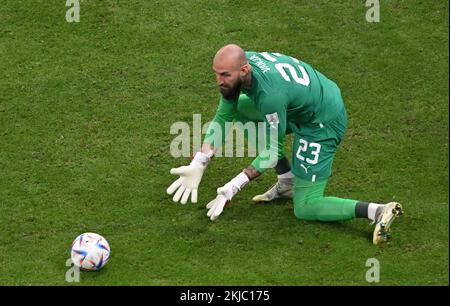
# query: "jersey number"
304,147
283,67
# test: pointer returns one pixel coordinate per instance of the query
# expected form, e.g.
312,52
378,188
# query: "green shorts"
315,146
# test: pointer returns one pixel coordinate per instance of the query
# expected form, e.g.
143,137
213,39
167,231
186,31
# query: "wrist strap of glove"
233,186
240,181
201,159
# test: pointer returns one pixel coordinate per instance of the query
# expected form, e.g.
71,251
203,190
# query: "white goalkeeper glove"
190,177
225,194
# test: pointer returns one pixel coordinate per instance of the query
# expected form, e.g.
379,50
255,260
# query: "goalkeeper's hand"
225,194
190,177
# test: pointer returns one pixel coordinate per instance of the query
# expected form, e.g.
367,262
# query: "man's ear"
246,68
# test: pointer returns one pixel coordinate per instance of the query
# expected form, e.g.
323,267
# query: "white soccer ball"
90,251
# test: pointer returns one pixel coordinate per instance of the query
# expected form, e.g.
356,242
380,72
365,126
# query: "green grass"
85,112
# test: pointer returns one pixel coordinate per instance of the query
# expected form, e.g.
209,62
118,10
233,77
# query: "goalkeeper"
289,96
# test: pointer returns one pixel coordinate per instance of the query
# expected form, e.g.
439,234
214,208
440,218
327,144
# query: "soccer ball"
90,251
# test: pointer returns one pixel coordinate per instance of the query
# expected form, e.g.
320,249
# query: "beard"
232,93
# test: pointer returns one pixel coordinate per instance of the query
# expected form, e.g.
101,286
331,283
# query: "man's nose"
219,80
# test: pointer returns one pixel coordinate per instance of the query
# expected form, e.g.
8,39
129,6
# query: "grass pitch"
85,113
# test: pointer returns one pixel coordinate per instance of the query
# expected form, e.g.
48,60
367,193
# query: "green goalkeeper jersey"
288,93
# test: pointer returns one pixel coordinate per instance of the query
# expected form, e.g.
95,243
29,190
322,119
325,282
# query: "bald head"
231,57
232,70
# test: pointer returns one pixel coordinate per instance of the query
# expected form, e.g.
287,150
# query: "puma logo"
306,168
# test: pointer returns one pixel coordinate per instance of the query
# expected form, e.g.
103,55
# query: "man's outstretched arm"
227,192
275,119
190,176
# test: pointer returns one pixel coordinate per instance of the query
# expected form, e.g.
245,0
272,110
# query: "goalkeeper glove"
225,194
190,177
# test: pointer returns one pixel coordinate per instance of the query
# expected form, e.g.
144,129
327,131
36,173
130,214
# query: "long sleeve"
216,132
274,110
